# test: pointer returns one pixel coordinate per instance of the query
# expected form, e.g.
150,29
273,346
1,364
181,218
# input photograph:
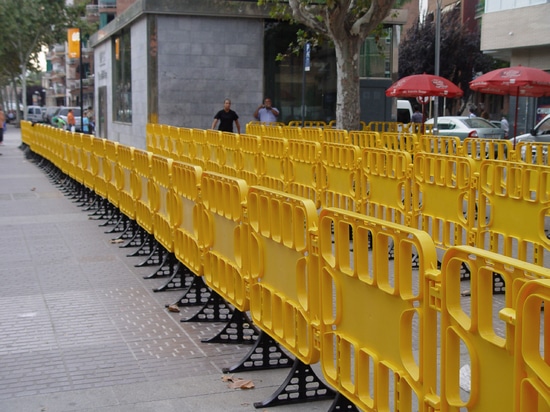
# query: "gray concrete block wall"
203,60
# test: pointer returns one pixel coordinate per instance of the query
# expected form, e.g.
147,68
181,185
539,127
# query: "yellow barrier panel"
313,134
443,201
164,221
111,164
170,142
150,136
79,158
98,166
292,132
385,127
186,212
340,176
255,128
386,185
249,158
514,210
532,152
273,162
226,237
378,329
202,154
185,146
532,381
87,161
127,181
363,139
284,297
70,152
27,134
304,169
446,145
272,130
335,136
146,203
215,161
398,141
230,147
471,339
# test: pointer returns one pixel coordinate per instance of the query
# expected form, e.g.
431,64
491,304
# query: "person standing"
266,113
2,122
472,112
504,125
71,121
226,117
417,115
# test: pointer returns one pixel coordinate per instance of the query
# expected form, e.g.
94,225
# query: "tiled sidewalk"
81,330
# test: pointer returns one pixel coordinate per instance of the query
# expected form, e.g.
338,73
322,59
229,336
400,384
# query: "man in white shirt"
266,113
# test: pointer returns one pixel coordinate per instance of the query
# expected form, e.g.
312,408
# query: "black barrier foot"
196,294
181,277
155,256
146,246
166,267
127,229
113,216
341,403
239,330
120,226
215,310
301,385
266,354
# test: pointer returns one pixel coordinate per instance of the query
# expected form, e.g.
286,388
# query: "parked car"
63,111
539,133
463,127
34,114
49,113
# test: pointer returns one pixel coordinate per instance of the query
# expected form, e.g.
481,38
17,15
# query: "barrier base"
181,277
166,263
156,254
196,294
266,354
239,330
341,403
215,310
301,385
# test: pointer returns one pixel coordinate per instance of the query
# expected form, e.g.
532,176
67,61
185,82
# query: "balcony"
106,4
92,10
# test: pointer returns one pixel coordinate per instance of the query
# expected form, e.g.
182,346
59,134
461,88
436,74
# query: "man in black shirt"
226,117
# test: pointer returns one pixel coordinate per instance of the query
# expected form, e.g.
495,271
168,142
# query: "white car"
540,133
463,127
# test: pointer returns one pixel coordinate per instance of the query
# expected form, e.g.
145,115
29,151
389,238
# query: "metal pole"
81,98
437,54
307,62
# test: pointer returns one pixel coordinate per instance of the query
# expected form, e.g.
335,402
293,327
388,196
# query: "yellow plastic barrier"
215,159
363,139
150,136
127,181
185,146
164,222
313,134
292,132
79,158
272,130
398,141
249,158
514,210
284,297
273,162
304,169
225,237
255,128
230,148
443,201
111,164
385,127
375,312
202,152
186,211
339,179
472,340
446,145
87,160
146,202
98,166
335,136
532,383
532,152
386,185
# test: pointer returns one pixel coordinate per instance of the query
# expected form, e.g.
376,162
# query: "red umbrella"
514,81
419,85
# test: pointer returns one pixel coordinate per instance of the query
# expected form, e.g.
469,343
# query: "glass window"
122,77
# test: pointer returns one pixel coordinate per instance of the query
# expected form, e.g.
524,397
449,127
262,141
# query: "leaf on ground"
117,240
173,308
237,383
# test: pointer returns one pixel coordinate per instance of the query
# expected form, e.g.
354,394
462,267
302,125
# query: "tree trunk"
347,83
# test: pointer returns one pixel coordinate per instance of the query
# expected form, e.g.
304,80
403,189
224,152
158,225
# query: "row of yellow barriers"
461,193
389,335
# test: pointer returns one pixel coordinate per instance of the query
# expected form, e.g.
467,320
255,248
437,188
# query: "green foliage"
460,55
